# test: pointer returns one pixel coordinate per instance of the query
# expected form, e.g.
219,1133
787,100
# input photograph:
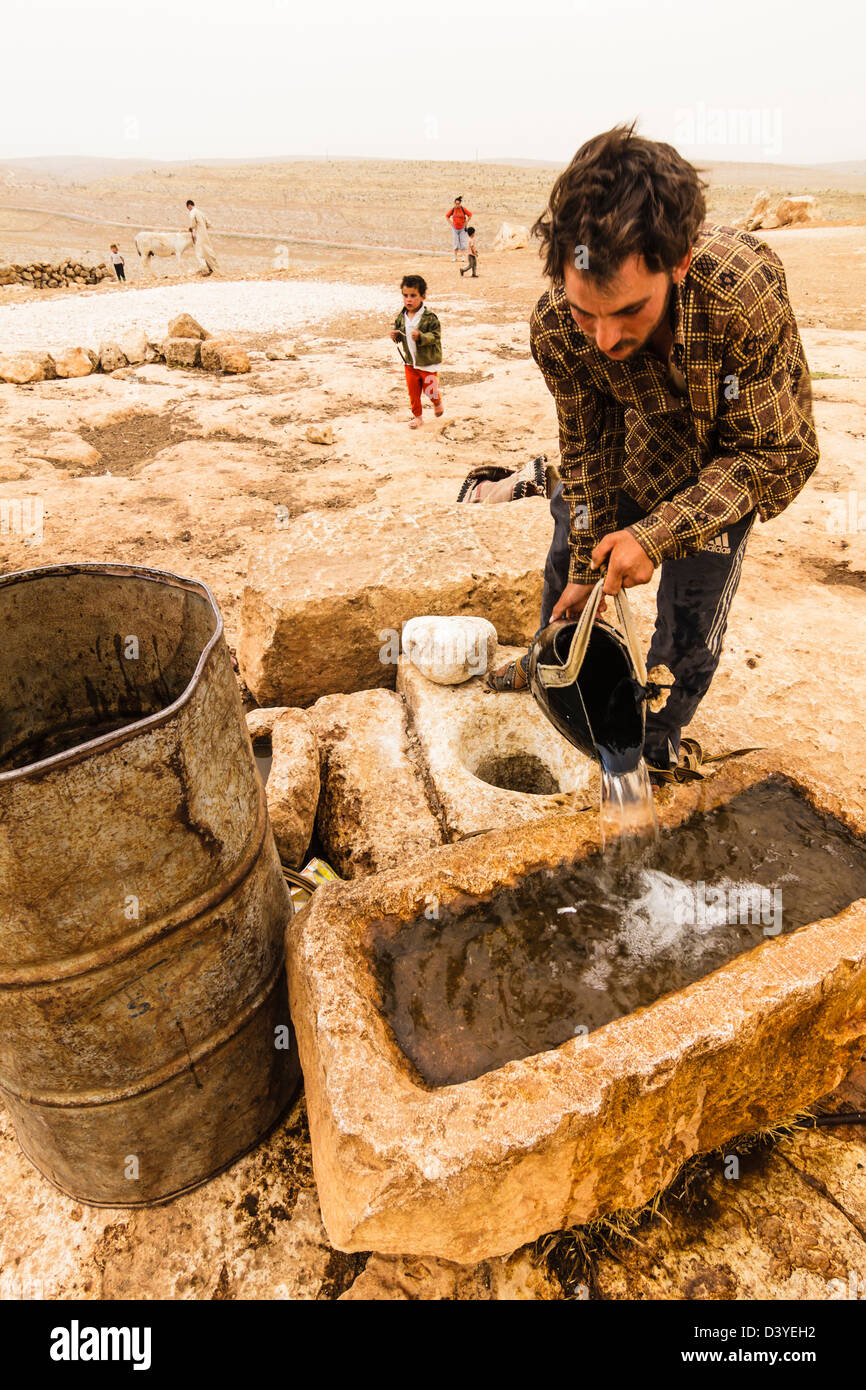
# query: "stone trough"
602,1121
493,759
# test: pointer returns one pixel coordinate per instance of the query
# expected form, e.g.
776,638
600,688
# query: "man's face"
622,316
411,299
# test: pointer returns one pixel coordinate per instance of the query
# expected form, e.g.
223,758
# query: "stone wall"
44,276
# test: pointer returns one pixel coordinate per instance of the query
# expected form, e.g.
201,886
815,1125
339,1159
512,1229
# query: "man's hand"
571,601
627,562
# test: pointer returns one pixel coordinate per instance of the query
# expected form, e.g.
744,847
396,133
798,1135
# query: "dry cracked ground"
185,471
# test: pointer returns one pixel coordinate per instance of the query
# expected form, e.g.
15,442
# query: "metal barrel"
145,1039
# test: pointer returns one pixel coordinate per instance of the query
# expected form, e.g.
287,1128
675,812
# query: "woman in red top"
458,216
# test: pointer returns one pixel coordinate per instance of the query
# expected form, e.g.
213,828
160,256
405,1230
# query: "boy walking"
473,255
118,262
418,336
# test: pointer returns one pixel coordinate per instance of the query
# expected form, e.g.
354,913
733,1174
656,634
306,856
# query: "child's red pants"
418,380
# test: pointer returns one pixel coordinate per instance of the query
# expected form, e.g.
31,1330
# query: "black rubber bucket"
591,683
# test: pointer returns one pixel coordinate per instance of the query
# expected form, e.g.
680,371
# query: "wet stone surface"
489,980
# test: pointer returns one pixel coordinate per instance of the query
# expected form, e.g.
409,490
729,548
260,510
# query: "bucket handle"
567,674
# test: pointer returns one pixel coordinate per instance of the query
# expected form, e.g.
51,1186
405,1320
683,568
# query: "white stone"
450,651
133,345
511,237
73,361
112,357
284,351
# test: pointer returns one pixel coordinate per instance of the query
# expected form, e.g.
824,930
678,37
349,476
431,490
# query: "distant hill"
848,175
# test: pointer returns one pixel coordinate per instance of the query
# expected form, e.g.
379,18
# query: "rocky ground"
191,472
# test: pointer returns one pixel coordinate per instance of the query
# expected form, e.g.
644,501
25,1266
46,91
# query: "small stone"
20,368
320,434
260,722
234,360
185,326
73,362
211,352
450,651
293,784
133,344
182,352
282,352
111,357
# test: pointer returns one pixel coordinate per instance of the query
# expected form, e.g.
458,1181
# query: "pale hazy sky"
180,79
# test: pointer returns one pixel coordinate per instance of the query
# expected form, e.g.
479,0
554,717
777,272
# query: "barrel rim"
152,721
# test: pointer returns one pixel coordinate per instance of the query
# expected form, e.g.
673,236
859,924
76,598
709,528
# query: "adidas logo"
719,544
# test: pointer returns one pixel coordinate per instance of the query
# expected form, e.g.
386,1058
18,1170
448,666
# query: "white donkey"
150,244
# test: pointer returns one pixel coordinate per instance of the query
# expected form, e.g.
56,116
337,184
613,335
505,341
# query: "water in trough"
570,949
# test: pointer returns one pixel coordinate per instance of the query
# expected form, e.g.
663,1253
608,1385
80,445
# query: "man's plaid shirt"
739,435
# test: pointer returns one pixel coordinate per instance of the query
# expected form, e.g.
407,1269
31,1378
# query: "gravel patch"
232,306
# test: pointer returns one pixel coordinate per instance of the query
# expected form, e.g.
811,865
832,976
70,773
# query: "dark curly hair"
621,195
414,282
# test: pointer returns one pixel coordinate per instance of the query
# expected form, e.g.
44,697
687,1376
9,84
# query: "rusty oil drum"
143,1012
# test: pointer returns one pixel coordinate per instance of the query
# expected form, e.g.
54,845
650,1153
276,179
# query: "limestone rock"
511,237
293,784
182,352
185,326
392,1278
22,367
73,362
285,351
759,209
493,760
450,651
234,361
154,352
133,345
320,434
339,586
112,357
373,812
597,1125
797,211
211,353
790,212
260,722
70,448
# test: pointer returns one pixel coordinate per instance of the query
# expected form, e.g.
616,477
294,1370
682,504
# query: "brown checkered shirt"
725,429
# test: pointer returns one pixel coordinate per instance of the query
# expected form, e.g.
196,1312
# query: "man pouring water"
683,402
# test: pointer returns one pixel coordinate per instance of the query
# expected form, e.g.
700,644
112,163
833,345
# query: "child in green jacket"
418,334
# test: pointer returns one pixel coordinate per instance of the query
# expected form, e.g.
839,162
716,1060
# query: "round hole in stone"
517,772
